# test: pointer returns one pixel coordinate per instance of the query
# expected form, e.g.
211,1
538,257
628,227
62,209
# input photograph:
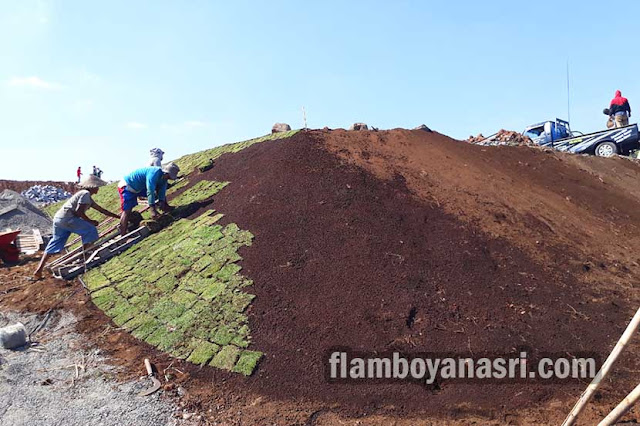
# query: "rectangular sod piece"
247,362
226,358
137,321
164,339
105,298
167,309
223,335
146,328
131,286
227,271
203,353
95,280
166,284
213,290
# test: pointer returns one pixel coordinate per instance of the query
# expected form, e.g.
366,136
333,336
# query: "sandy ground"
59,380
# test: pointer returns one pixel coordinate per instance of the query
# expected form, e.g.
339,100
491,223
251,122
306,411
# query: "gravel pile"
45,194
17,212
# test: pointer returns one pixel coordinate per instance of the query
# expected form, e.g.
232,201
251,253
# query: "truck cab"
547,132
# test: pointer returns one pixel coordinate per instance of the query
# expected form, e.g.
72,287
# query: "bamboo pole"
622,408
604,370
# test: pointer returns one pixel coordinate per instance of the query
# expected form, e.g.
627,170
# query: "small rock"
280,127
13,336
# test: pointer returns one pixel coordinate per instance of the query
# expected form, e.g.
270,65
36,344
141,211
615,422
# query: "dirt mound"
410,241
22,185
503,137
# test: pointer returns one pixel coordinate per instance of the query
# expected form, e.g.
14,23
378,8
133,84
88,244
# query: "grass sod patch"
105,298
199,192
228,271
213,290
95,280
223,335
247,362
167,309
165,339
138,321
203,352
145,329
226,358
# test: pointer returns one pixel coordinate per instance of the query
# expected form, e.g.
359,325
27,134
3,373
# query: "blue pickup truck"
558,135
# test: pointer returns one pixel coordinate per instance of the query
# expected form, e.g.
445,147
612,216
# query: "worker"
79,173
147,181
620,110
72,218
156,157
95,171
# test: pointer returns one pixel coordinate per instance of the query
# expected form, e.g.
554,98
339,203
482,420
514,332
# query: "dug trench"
343,257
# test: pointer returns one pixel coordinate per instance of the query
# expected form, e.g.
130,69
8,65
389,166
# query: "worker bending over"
147,181
72,218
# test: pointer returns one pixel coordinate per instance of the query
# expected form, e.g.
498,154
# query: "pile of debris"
17,212
503,137
45,194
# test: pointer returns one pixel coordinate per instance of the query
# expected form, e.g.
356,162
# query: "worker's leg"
128,200
625,120
87,231
124,221
55,245
617,120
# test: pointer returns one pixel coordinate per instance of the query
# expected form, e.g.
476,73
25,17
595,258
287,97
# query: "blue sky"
85,83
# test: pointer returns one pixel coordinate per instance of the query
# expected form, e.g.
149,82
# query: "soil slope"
412,241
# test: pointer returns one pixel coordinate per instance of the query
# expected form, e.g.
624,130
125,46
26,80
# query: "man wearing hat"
72,218
156,157
147,181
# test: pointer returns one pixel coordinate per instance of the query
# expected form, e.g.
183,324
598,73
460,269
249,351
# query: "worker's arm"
81,212
102,210
153,180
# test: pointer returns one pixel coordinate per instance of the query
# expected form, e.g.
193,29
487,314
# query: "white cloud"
34,82
136,125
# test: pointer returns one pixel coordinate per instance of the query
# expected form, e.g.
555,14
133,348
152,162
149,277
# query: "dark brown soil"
21,185
343,256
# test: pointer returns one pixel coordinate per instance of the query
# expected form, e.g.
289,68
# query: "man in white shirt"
72,218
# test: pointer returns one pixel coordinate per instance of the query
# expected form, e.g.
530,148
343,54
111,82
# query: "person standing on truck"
620,110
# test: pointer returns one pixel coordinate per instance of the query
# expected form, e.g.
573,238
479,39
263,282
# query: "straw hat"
171,169
91,181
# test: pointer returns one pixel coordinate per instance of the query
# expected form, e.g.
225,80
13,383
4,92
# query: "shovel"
156,382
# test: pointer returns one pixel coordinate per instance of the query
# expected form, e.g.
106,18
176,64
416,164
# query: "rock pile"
503,137
45,194
359,126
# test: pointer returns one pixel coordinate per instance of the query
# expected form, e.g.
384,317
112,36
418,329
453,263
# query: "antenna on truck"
568,96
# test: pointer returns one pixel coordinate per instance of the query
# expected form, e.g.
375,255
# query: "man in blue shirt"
147,181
